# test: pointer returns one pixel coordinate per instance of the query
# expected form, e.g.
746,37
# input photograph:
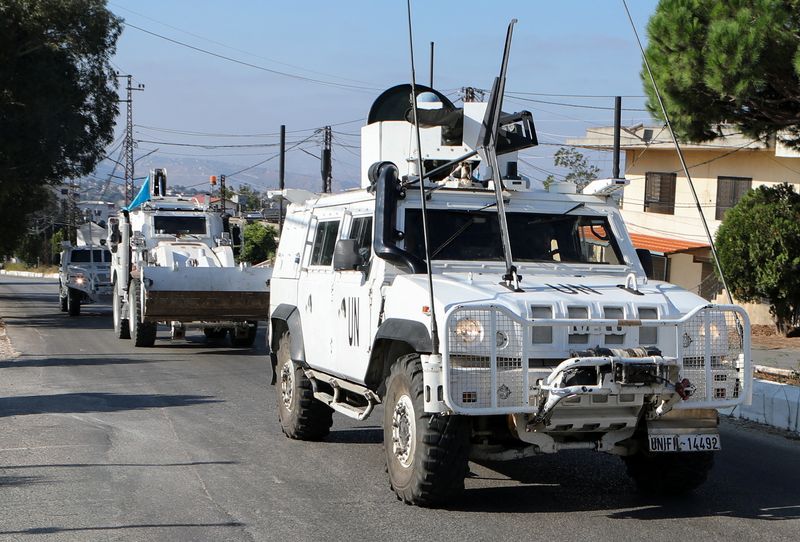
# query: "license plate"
683,443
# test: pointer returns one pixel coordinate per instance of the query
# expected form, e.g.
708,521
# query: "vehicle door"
354,302
314,290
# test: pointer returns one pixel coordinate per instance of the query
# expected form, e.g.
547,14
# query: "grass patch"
34,269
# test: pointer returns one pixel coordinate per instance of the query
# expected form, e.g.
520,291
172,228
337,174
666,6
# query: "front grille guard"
489,377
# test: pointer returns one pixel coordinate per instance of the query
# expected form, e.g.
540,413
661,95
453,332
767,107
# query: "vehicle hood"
560,292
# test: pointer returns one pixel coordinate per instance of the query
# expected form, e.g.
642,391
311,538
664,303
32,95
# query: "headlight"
469,330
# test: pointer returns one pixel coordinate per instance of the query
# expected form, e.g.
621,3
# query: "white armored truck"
83,276
526,326
173,263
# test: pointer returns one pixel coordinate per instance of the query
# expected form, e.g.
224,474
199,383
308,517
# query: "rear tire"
301,416
142,333
73,302
668,473
246,341
121,325
426,454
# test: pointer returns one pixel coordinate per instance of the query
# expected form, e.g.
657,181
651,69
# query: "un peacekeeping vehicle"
173,263
527,326
83,276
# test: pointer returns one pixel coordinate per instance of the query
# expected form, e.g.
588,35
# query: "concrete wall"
684,272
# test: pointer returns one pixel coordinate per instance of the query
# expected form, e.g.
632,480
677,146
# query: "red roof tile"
664,245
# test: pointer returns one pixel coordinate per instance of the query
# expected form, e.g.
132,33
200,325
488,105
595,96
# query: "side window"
361,231
324,242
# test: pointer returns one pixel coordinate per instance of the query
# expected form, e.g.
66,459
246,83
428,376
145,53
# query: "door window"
324,242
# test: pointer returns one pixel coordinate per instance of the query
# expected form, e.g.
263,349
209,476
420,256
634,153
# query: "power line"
270,158
209,40
251,65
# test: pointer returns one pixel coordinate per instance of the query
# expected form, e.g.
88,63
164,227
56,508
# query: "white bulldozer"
173,263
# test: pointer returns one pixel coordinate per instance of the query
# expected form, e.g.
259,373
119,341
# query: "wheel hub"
287,384
404,431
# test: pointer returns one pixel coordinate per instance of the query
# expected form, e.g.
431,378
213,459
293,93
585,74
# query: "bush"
258,243
759,250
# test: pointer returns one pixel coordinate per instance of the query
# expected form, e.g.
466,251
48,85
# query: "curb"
774,404
29,274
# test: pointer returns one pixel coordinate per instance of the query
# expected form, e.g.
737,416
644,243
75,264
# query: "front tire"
215,332
142,333
426,454
121,325
668,473
301,416
62,298
73,302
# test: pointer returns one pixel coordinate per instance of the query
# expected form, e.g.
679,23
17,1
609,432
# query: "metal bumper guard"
709,347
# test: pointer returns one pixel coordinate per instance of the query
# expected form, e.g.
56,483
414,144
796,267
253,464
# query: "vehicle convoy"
172,263
528,325
83,276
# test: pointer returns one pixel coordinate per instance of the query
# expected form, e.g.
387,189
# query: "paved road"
101,441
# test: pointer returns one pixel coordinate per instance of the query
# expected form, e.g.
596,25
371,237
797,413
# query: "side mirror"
646,260
346,256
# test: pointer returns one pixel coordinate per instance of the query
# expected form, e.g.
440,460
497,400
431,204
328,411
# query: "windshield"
83,256
176,225
475,235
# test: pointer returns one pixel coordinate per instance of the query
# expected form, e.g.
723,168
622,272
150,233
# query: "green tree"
727,61
580,171
249,199
258,243
759,250
58,99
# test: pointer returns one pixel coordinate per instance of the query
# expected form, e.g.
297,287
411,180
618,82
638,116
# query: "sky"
309,63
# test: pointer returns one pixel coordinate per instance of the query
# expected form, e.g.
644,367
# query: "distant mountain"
107,182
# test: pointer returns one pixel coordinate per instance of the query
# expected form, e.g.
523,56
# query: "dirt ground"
768,337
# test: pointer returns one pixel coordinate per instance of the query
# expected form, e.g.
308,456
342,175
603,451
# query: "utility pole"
326,168
431,85
281,172
129,137
222,191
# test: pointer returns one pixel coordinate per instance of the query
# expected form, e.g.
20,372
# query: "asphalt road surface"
101,441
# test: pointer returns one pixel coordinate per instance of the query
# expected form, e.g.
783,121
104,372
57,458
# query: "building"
658,205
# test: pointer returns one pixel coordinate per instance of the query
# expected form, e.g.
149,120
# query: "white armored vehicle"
83,276
526,326
173,263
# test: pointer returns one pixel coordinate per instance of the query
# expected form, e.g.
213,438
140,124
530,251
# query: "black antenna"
680,156
488,153
422,195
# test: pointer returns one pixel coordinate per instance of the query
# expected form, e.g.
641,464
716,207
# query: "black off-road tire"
246,341
73,302
432,470
142,333
121,325
62,299
215,332
301,416
668,473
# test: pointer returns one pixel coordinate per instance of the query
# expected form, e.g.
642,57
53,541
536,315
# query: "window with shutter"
729,191
659,192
